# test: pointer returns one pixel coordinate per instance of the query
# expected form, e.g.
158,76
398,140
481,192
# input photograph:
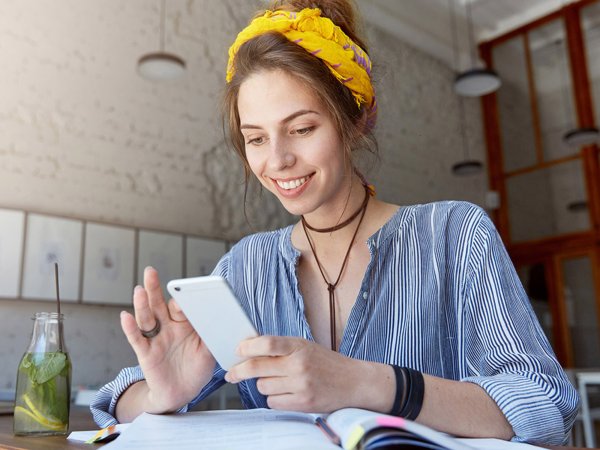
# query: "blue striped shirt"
439,295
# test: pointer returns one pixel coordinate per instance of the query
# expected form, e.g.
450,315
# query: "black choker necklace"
331,286
346,222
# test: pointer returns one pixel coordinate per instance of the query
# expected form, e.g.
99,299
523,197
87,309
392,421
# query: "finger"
269,346
175,311
144,316
259,367
285,401
133,334
274,385
155,294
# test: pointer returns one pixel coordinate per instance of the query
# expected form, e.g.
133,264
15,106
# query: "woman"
414,311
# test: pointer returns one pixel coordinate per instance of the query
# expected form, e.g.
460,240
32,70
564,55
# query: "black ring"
153,332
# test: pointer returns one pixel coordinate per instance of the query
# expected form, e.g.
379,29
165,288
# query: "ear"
361,123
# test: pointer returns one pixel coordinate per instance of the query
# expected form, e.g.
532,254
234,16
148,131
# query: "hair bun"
341,12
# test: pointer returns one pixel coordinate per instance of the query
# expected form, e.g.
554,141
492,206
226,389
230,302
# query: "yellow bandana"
321,37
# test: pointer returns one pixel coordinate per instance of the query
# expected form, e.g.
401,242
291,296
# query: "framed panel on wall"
49,240
164,252
109,264
12,229
202,255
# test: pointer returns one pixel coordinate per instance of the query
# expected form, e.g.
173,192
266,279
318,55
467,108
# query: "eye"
303,131
255,141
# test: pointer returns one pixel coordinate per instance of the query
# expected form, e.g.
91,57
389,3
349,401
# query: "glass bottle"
44,381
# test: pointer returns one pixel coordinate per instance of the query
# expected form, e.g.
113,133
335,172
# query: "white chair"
588,414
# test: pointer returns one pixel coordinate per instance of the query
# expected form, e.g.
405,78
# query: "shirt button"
365,295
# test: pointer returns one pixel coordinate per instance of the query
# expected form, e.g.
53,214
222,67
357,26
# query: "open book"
260,429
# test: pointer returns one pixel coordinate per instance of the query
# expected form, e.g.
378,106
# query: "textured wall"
82,135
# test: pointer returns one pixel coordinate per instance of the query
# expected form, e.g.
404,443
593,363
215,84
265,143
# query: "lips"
291,187
291,184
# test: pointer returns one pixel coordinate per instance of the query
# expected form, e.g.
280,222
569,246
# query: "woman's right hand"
176,362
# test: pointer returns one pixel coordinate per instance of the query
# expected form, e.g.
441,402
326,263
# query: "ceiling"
426,24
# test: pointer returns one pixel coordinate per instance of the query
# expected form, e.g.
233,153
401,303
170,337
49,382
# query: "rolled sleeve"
532,414
104,404
508,353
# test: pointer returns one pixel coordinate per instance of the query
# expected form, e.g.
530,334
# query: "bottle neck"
47,335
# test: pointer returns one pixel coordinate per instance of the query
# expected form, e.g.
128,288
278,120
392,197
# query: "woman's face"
292,145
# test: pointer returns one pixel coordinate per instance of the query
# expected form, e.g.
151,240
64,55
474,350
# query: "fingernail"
137,288
148,268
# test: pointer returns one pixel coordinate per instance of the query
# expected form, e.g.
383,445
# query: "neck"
346,214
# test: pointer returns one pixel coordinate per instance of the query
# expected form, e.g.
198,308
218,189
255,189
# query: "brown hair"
273,51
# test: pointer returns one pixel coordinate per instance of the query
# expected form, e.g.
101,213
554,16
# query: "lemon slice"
47,421
20,411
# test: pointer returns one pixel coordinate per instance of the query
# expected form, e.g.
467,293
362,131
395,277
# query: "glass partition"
514,105
547,202
582,315
590,16
553,88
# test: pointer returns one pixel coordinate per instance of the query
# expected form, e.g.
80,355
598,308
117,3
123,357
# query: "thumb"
175,311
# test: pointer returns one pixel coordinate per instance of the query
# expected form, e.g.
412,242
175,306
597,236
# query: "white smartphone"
215,313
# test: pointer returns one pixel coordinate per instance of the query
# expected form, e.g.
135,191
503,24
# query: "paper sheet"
84,436
223,430
498,444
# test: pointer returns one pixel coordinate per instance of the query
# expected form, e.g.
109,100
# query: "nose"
281,156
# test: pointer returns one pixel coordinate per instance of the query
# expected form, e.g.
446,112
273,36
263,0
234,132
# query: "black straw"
57,288
60,331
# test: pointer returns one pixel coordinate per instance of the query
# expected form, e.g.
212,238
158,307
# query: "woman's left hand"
300,375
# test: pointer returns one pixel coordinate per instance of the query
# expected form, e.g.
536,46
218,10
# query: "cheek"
256,163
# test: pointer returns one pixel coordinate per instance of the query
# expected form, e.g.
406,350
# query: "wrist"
376,389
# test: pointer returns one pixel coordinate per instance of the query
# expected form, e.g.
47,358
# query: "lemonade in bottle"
43,394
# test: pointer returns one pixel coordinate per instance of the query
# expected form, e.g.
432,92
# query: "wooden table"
80,420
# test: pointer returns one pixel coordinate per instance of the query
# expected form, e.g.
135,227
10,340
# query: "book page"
352,424
256,429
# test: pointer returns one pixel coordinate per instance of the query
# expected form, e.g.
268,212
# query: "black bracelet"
410,390
414,401
399,399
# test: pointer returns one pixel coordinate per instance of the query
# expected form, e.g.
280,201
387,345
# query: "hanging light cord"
454,33
161,44
471,35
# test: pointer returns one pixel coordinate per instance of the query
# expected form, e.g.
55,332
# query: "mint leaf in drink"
50,367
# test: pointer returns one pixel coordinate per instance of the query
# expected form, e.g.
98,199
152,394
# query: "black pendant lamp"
467,166
476,81
580,137
160,65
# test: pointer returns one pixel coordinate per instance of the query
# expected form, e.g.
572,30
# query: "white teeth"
292,184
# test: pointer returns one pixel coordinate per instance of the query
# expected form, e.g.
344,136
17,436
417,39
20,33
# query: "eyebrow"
284,121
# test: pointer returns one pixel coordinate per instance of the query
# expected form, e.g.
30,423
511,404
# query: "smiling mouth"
292,184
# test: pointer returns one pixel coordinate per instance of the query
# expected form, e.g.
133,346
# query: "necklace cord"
331,286
345,222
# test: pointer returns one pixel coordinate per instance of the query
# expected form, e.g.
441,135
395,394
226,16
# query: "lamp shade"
476,82
581,136
467,167
577,206
160,66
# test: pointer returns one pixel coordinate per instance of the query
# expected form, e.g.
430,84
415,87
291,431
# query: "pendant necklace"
331,286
